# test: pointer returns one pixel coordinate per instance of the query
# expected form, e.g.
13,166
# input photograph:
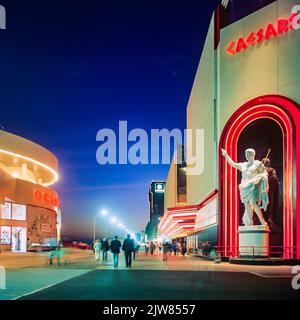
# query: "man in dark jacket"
115,249
128,248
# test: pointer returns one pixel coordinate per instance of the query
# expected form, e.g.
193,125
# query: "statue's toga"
254,186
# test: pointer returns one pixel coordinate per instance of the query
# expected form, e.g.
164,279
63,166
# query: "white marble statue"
253,187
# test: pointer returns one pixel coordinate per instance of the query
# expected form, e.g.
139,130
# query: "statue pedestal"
254,241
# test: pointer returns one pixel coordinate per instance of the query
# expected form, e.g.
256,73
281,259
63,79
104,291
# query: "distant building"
156,206
30,214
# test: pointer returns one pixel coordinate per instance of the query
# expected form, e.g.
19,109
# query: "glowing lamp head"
103,212
113,220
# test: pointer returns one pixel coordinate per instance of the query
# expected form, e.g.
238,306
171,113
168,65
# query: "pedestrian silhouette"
128,248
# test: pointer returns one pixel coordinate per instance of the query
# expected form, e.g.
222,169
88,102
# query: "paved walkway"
162,285
13,260
189,263
28,273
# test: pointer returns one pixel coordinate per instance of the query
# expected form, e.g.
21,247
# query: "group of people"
167,248
176,248
129,246
150,247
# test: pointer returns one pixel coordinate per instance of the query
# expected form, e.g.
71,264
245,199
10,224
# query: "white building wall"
200,115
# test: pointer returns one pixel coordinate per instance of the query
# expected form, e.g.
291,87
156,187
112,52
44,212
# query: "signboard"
272,30
159,187
41,224
46,197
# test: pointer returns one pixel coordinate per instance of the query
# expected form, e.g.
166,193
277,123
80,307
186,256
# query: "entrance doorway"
261,118
19,239
261,135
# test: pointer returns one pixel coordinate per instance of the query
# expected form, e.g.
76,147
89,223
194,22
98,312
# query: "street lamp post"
103,213
94,228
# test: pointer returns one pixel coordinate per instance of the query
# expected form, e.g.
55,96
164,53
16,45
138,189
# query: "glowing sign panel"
262,35
46,197
159,187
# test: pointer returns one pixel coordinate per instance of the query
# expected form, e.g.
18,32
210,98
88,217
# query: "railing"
257,251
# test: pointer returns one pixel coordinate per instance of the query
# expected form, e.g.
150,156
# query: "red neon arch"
287,114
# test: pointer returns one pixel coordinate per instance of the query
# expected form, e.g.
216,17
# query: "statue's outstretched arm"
230,161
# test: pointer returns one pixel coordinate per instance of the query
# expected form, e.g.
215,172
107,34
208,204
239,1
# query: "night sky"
70,68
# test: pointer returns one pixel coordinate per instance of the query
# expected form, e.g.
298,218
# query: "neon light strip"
172,225
177,217
55,174
180,228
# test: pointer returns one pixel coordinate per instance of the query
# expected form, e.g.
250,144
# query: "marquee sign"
46,197
263,34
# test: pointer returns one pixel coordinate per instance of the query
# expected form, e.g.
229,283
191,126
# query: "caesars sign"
282,26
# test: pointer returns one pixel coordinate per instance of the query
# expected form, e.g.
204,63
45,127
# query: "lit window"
5,235
18,212
6,211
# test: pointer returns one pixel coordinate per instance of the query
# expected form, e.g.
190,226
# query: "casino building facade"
30,209
246,93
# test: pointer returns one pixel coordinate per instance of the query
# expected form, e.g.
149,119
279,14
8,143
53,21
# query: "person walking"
115,249
160,248
93,250
58,253
97,248
183,249
165,250
146,249
179,247
137,249
105,248
128,248
152,248
174,247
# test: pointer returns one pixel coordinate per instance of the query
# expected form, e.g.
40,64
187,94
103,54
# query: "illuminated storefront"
246,94
30,210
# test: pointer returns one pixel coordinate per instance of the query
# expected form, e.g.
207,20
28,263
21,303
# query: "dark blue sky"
70,68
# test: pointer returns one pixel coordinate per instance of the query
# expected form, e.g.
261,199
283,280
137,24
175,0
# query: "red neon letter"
270,31
230,48
260,35
241,45
251,39
37,194
46,197
283,26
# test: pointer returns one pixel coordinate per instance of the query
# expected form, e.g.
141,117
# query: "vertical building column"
58,220
24,171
